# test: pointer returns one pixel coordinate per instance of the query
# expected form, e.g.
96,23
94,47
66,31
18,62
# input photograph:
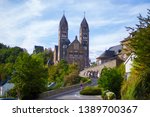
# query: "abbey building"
75,52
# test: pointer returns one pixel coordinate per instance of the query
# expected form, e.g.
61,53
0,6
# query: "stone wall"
63,90
109,64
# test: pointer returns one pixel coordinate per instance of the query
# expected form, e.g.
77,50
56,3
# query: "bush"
72,78
137,87
107,95
12,93
84,79
111,79
89,90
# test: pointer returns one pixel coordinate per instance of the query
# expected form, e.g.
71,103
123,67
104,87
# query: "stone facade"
110,54
75,52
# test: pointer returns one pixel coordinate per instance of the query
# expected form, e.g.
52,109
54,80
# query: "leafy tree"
138,85
72,78
2,73
5,71
9,55
46,55
2,46
64,74
30,76
111,79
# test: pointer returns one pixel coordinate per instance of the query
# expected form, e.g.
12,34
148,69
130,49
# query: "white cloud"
30,22
102,42
139,9
38,30
21,25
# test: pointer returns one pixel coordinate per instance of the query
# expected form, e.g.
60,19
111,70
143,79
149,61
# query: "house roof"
5,81
107,54
117,49
111,52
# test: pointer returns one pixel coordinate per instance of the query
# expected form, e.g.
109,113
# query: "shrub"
137,86
91,90
12,93
110,96
111,79
72,78
107,95
84,79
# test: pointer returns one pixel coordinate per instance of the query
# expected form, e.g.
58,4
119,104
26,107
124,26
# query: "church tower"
84,39
63,39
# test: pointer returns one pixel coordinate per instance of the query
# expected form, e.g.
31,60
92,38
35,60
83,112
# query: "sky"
26,23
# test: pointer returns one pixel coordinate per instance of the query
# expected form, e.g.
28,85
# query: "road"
74,95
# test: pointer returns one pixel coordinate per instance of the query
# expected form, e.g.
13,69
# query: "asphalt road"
74,95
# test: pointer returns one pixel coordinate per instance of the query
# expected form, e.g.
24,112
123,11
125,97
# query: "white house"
128,64
6,87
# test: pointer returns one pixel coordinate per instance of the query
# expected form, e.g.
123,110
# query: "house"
108,55
5,86
128,65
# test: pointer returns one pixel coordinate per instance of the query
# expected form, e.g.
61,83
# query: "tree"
64,74
9,55
138,84
111,79
46,55
30,76
72,78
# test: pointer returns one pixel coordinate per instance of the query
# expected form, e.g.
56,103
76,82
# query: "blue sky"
26,23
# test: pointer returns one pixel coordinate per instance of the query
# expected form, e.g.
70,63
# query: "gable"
75,46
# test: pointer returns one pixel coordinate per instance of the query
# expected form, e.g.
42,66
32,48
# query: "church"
76,51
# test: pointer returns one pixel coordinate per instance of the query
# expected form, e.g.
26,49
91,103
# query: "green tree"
138,84
46,55
111,79
9,55
5,71
63,74
2,73
30,76
72,78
